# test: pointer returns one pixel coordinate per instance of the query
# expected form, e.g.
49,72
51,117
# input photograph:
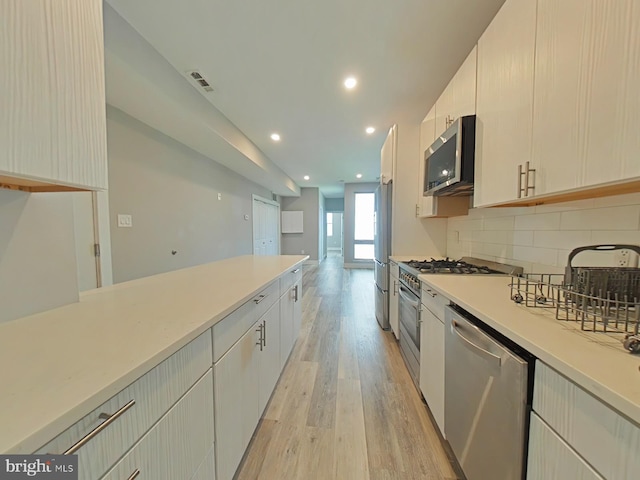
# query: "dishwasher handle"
473,347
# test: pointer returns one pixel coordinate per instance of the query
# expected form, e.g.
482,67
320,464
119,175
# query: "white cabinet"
269,366
504,105
459,97
236,397
605,439
428,207
297,308
388,156
432,362
551,458
586,103
290,312
394,285
178,444
52,107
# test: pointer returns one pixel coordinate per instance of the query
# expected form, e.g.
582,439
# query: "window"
329,224
364,226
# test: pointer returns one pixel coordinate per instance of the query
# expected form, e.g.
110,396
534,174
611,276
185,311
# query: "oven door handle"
411,301
473,347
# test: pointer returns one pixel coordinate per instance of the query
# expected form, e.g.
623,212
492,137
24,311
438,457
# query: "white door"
266,226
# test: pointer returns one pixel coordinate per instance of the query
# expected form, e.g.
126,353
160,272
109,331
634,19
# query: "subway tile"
540,221
566,206
513,261
611,218
546,256
523,238
499,223
541,268
497,250
606,237
493,236
561,239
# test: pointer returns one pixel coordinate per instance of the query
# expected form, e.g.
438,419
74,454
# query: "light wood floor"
345,406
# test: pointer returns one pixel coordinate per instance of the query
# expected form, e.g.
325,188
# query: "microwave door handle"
473,347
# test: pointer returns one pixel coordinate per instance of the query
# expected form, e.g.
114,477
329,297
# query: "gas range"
410,270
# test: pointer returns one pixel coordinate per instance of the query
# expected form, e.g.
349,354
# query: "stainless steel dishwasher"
488,391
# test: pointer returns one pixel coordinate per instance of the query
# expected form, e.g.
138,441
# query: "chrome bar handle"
295,294
295,271
260,338
259,299
473,347
527,187
520,174
92,434
135,473
264,333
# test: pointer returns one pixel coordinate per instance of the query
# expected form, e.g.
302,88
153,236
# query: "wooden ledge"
26,185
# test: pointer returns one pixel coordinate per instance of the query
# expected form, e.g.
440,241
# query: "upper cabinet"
459,98
52,107
388,155
586,103
504,105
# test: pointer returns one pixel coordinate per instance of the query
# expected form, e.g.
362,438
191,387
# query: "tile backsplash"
540,238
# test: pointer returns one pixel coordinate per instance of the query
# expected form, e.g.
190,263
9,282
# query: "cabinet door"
551,458
269,366
427,137
393,306
236,402
297,309
432,364
387,156
178,444
463,92
504,102
286,325
587,108
52,107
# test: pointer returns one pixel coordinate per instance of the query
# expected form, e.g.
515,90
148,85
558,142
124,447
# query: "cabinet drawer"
433,301
605,439
178,444
289,279
229,330
154,393
551,458
394,271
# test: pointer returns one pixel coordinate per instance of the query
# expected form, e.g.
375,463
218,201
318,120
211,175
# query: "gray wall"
172,193
335,241
350,189
334,204
37,253
322,224
295,243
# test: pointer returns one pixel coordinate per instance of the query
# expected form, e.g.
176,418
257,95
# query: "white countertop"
406,258
595,361
59,365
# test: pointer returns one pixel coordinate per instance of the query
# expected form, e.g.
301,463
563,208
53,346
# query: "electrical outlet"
626,258
302,252
219,196
125,221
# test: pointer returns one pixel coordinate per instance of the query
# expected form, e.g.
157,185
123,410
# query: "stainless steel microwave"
449,162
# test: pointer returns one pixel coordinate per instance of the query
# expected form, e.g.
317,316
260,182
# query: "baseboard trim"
311,262
359,265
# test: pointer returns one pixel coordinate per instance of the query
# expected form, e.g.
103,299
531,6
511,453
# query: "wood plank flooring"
345,406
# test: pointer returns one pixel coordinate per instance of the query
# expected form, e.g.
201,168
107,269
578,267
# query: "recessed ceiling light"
350,82
306,177
359,175
370,130
275,137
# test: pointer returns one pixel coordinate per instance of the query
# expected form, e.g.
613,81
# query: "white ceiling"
278,65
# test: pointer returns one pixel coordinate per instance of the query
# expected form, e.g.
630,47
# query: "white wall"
37,253
172,193
309,241
540,238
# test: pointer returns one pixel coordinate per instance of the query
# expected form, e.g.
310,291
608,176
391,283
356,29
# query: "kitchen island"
60,365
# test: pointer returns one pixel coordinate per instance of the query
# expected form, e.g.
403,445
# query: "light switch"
219,196
125,221
246,217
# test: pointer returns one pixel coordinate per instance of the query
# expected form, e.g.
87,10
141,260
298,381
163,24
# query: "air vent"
200,81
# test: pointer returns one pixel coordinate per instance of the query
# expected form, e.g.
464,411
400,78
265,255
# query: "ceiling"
279,66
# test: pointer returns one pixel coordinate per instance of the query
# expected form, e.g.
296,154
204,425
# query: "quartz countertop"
59,365
406,258
595,361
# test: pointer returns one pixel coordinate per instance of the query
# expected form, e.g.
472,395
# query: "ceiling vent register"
200,81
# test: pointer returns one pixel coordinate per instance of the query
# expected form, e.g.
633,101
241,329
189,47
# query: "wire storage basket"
600,299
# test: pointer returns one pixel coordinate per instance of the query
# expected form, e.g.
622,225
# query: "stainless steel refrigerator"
382,243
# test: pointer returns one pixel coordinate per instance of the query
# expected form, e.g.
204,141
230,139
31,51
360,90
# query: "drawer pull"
295,294
135,473
296,270
89,436
259,299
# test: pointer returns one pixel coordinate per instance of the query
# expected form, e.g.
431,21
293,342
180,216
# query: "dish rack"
601,299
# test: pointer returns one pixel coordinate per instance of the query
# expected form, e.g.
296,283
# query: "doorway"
335,234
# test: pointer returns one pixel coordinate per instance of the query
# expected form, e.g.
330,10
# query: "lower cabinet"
551,458
269,366
178,444
236,393
432,364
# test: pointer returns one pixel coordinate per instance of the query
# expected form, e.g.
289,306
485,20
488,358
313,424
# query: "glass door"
364,226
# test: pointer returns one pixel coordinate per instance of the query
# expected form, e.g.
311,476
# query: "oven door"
409,313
